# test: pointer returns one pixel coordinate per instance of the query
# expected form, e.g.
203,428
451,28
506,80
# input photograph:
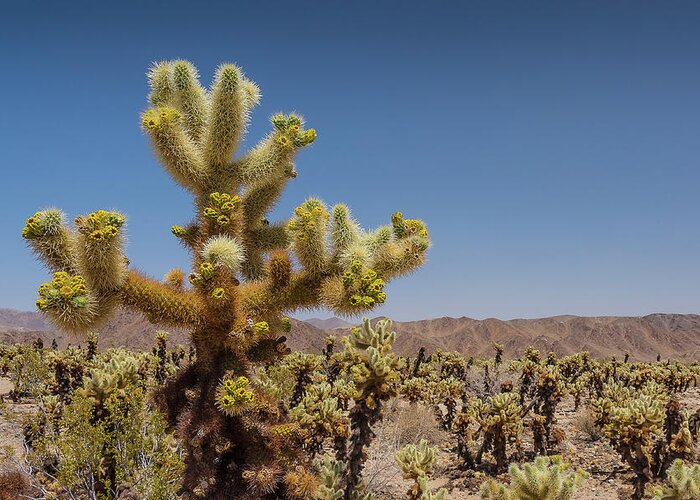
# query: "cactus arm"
309,228
262,298
55,251
267,238
99,251
400,257
51,240
232,98
161,303
259,198
191,98
160,79
272,157
89,265
345,232
267,160
176,149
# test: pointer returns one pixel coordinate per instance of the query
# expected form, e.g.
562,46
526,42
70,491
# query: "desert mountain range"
670,335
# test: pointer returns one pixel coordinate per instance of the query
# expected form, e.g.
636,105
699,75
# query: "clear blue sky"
552,147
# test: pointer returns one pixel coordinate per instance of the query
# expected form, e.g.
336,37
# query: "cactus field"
85,423
236,414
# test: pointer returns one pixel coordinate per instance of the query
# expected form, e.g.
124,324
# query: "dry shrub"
584,422
415,422
13,484
481,385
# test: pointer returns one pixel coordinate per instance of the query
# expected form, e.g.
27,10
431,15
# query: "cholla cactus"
416,463
547,478
233,395
302,366
376,378
682,483
577,389
417,389
92,339
69,368
319,417
161,352
242,273
452,364
529,366
331,476
497,421
647,430
115,377
548,392
498,357
445,393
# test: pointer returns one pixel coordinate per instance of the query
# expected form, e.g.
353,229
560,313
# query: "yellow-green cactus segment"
63,290
155,118
206,273
404,228
290,133
101,225
45,223
179,231
233,395
307,217
177,150
638,419
682,481
261,328
218,293
545,478
284,431
286,324
206,270
221,208
364,286
308,228
416,460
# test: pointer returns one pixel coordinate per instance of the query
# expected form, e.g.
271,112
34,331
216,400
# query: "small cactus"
547,478
682,483
416,462
497,422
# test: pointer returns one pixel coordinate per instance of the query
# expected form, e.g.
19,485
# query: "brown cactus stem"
420,359
362,418
303,379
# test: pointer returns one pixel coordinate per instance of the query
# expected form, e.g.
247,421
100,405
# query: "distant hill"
125,328
671,335
329,324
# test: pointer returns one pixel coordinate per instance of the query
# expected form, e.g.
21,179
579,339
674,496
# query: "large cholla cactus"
243,280
547,478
